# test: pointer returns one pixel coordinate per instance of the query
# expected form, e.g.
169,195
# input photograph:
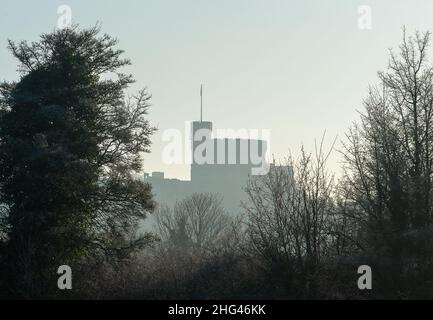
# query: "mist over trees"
71,140
195,223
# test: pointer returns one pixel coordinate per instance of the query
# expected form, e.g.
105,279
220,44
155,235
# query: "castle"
220,166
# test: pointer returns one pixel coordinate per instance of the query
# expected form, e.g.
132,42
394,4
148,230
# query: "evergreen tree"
70,142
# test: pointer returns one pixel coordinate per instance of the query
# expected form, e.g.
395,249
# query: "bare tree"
195,222
388,164
288,213
388,155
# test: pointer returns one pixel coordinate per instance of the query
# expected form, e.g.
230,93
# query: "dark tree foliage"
70,142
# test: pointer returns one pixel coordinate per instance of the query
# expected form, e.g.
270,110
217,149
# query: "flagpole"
201,103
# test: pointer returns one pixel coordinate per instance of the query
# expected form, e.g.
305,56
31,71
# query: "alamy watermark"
365,20
365,281
65,280
223,146
64,19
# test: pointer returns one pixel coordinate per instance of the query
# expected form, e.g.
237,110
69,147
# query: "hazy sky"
294,67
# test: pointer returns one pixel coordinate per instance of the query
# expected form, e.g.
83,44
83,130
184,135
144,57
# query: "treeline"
71,140
302,234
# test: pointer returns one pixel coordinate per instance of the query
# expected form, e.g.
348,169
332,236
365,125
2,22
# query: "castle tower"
201,131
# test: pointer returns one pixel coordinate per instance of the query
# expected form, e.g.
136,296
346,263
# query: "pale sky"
294,67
